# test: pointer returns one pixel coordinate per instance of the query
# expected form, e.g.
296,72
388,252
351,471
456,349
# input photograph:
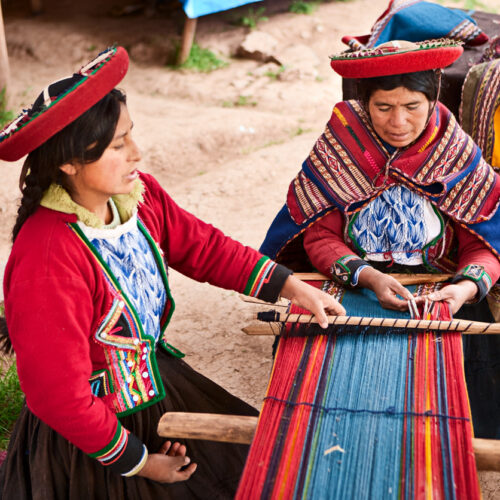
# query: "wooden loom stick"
213,427
253,300
404,279
241,429
455,325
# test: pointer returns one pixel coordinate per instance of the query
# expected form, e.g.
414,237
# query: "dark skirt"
41,464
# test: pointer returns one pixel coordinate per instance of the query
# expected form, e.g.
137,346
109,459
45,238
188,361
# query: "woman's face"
398,116
92,184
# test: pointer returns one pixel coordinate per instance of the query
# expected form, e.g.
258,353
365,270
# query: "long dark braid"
82,141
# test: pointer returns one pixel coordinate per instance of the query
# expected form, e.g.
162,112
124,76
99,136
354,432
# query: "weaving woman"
395,185
87,302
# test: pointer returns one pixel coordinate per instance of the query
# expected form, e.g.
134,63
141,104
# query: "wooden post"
187,39
4,58
36,6
241,429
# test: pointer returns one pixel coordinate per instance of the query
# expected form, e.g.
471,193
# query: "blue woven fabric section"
393,222
132,261
197,8
421,21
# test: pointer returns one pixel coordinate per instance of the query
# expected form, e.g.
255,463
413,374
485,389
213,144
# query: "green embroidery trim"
144,336
472,276
362,253
426,248
163,272
111,445
176,353
253,276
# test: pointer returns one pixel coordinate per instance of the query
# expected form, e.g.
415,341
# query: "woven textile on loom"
361,412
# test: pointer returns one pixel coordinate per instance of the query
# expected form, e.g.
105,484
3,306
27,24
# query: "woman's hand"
386,288
165,466
312,299
455,295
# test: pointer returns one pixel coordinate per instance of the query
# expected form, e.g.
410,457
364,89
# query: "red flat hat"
63,102
397,57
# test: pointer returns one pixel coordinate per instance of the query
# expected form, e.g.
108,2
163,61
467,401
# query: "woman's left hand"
455,295
312,299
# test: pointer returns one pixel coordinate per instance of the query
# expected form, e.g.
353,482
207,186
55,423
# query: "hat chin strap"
439,73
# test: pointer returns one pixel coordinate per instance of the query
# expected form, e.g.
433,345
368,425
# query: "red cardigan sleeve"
476,261
204,253
324,242
51,311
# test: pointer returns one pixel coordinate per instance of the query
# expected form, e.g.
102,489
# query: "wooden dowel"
252,300
487,453
226,428
455,325
241,429
262,329
404,279
187,40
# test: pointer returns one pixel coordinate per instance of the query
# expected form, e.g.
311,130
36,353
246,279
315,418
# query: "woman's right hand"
386,288
165,466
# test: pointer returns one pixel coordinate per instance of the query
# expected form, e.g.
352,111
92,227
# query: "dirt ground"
224,144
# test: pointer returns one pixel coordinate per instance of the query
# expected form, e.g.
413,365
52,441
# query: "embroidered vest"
131,380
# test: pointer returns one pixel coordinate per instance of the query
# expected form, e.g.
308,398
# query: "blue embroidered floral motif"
394,222
132,261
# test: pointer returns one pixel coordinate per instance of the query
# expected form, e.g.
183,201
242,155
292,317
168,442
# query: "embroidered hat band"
62,102
397,57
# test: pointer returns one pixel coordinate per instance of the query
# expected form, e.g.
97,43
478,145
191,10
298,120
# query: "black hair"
426,82
83,140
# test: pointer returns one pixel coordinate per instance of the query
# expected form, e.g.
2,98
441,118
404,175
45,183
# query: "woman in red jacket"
87,303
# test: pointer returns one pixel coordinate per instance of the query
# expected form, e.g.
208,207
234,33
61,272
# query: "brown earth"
224,144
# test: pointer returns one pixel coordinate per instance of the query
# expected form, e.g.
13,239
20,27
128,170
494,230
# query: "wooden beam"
226,428
187,40
464,326
241,429
487,453
4,58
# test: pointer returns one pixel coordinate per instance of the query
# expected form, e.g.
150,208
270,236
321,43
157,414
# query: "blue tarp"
197,8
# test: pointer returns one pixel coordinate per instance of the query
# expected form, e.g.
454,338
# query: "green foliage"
253,17
12,401
299,131
242,101
303,7
275,74
203,60
6,116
